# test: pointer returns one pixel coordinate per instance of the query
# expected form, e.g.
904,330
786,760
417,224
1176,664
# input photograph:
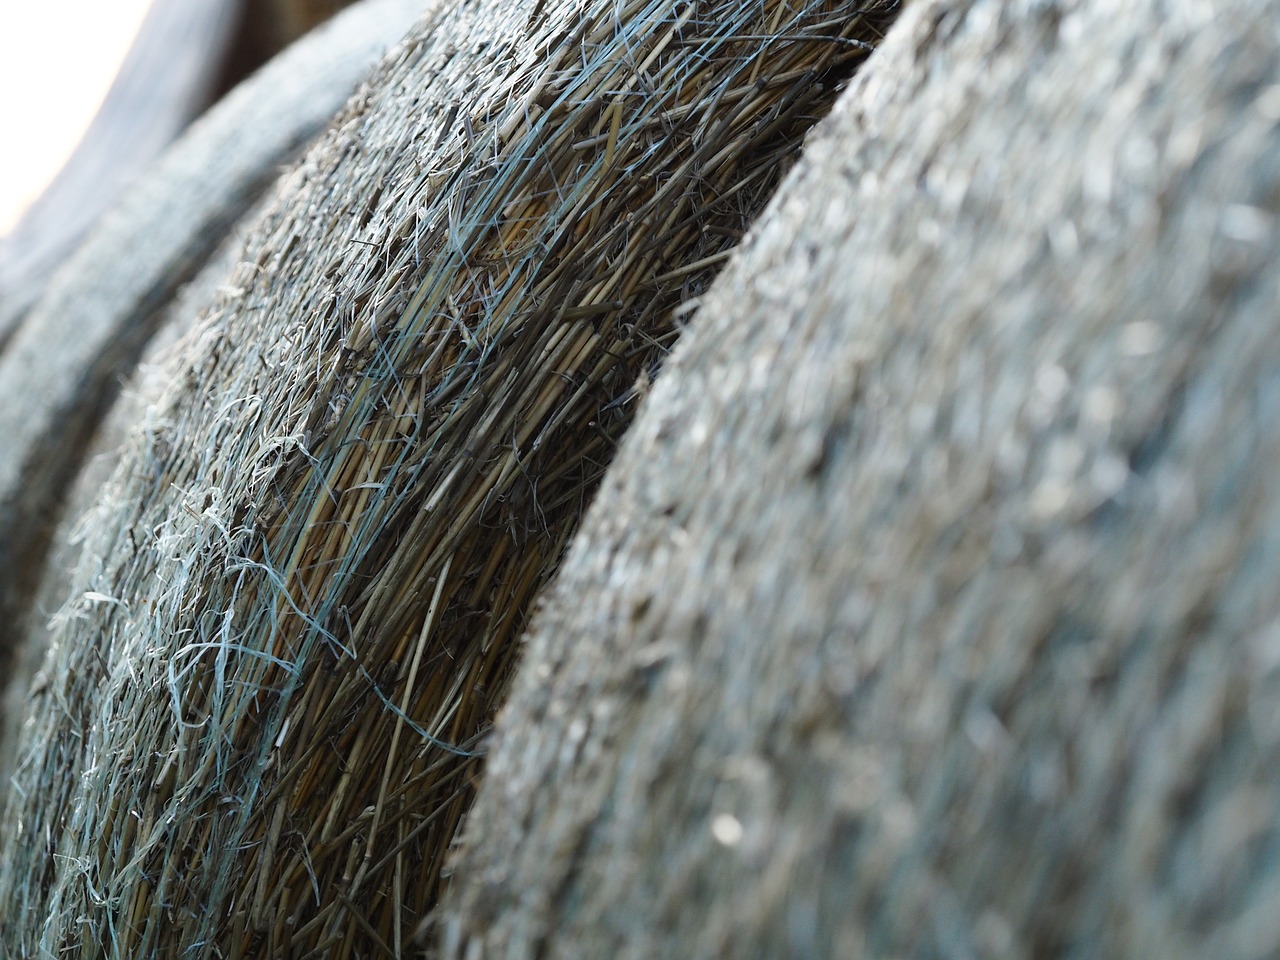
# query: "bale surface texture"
257,726
929,609
65,362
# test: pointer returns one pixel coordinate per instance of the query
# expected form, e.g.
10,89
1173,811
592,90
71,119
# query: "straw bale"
57,576
167,78
258,724
929,608
61,368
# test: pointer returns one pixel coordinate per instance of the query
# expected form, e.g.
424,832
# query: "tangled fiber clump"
259,724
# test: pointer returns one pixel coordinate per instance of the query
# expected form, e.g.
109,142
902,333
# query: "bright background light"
57,61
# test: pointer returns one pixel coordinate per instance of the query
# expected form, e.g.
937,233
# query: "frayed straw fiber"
63,365
259,724
973,652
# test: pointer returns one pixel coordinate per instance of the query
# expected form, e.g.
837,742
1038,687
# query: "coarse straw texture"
258,725
929,608
63,365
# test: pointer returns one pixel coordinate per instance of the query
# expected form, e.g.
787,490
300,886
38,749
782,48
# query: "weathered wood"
930,608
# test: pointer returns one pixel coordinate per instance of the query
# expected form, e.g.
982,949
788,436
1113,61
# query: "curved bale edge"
929,607
104,302
186,54
168,76
256,729
66,566
62,367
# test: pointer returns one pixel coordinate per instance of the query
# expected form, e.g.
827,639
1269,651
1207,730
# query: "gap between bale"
261,720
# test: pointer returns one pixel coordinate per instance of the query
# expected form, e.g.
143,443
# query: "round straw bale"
930,608
57,576
168,77
259,721
62,366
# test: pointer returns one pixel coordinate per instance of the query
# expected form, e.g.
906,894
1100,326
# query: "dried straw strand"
373,462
